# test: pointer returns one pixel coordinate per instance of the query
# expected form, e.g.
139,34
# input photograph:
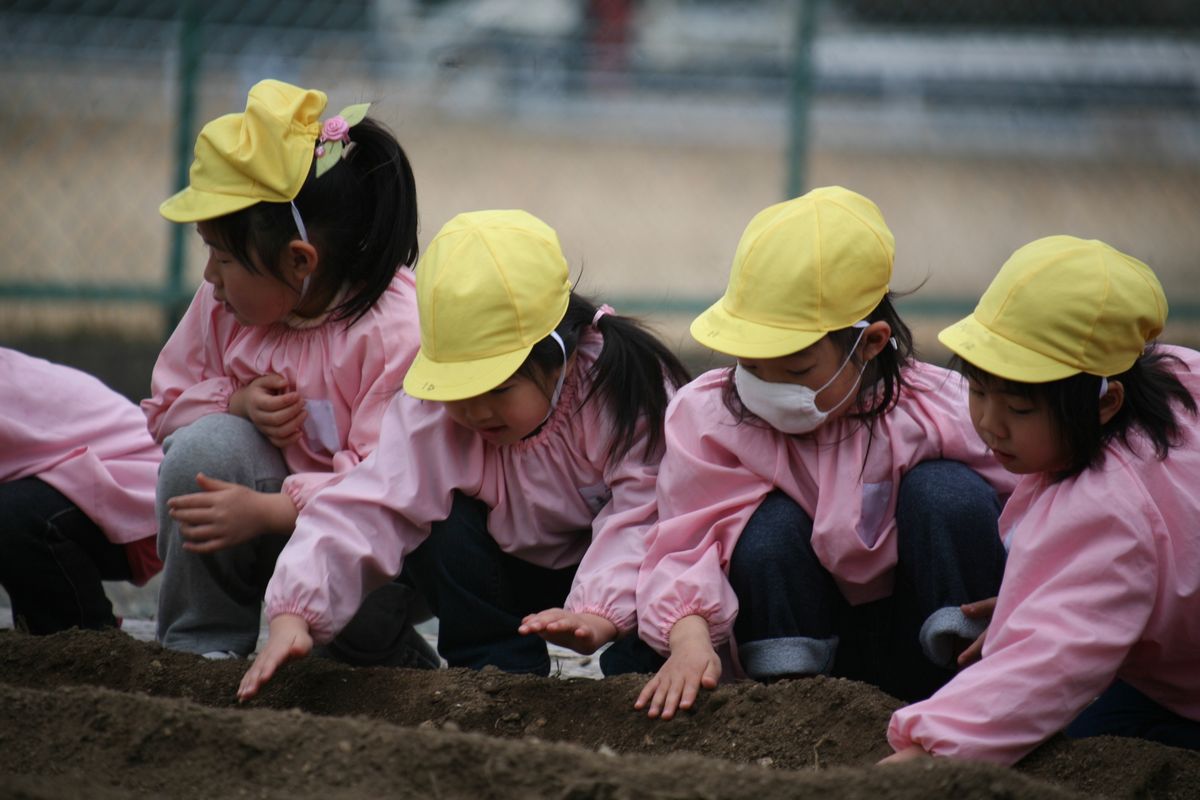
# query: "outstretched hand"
288,640
692,665
275,409
583,633
982,609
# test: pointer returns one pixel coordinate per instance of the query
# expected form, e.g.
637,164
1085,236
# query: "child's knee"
221,446
948,490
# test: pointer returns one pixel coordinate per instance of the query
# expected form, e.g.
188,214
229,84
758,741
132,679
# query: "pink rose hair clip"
334,141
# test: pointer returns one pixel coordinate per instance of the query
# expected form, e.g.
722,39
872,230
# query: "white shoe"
220,655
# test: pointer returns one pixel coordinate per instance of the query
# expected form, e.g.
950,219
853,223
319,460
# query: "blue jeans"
1124,711
479,594
793,619
53,558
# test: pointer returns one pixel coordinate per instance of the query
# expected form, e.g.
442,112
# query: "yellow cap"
261,155
814,264
490,286
1060,306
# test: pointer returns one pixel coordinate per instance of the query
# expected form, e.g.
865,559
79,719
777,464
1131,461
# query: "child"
529,435
805,509
77,473
1101,595
275,381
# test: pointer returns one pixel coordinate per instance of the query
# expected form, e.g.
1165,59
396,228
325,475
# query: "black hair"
1151,392
628,374
882,378
361,215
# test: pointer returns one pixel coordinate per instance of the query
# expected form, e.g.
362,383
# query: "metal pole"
190,48
800,98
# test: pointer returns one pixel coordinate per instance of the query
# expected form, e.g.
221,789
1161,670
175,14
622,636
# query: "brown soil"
102,715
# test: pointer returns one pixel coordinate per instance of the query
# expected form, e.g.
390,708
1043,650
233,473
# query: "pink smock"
1102,582
69,430
346,377
716,471
554,499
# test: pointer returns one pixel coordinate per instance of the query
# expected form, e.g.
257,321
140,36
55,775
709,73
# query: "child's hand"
981,609
693,664
275,410
913,752
288,640
583,633
227,514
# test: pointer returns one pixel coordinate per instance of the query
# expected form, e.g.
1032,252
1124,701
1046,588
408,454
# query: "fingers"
910,753
207,484
273,656
647,693
660,696
552,619
980,608
259,673
271,382
973,652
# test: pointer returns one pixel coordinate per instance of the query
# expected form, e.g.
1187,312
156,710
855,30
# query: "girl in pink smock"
1101,594
514,481
276,380
77,473
824,504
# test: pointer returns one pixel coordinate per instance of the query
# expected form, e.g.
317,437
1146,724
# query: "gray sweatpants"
213,601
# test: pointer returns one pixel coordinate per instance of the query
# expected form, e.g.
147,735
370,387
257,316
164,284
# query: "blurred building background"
647,132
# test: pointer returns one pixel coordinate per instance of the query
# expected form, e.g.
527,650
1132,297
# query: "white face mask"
790,407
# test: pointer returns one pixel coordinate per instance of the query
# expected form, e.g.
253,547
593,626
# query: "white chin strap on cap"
303,231
562,376
562,373
1103,386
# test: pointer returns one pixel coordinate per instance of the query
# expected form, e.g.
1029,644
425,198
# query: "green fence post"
189,71
800,97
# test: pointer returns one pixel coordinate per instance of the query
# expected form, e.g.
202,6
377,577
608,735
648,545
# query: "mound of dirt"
100,715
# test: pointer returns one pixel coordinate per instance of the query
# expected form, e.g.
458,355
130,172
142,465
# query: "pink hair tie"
602,311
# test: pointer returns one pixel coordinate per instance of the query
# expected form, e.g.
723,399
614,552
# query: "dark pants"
1124,711
53,559
480,594
793,619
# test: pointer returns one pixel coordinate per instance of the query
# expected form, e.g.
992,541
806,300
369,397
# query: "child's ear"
301,260
1111,401
875,337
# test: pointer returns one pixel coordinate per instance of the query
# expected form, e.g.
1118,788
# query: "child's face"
510,412
260,299
813,367
1019,431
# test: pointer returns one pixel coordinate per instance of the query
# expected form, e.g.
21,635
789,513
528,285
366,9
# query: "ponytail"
628,376
363,213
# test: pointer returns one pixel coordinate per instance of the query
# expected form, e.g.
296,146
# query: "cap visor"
719,330
192,205
978,345
457,380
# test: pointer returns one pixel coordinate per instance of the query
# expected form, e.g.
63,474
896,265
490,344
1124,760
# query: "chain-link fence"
647,133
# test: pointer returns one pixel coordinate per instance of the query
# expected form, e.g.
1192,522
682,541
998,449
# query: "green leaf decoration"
333,154
354,114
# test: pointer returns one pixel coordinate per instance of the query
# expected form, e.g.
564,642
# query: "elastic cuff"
317,628
623,623
943,633
789,655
